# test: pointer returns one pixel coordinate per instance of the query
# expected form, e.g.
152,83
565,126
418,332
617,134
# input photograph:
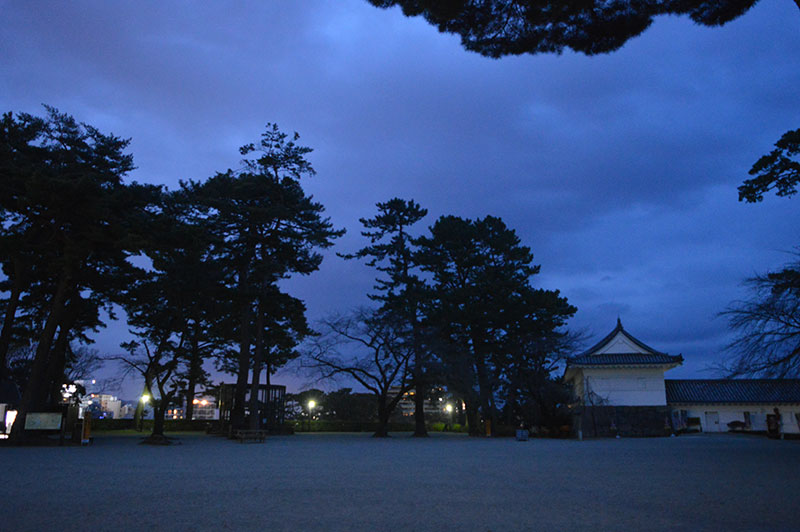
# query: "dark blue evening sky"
619,171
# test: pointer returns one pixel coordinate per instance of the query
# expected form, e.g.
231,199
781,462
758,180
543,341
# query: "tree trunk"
485,392
139,413
271,414
158,418
57,367
8,324
243,288
160,408
194,371
255,413
32,396
383,419
473,420
420,388
237,414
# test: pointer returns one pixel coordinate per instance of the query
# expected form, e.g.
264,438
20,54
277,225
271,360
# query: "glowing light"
311,405
11,415
145,398
67,391
196,401
203,402
448,408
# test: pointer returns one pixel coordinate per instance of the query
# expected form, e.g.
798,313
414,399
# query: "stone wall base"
610,421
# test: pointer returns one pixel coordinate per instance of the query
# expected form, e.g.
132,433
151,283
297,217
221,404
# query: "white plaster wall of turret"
625,386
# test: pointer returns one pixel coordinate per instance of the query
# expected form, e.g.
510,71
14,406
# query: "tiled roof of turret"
610,336
650,357
624,359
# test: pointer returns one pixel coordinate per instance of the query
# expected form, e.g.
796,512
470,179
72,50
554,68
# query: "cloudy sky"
619,171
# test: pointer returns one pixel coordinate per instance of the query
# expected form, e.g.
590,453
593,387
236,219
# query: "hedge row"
170,425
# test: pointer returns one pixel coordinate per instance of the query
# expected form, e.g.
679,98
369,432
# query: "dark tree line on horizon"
197,271
457,309
454,307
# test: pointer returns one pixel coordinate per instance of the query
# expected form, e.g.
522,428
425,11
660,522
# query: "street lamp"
311,405
144,399
449,409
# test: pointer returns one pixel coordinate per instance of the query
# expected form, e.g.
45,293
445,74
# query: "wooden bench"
250,435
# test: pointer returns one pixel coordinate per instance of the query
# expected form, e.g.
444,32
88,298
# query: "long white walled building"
622,380
716,403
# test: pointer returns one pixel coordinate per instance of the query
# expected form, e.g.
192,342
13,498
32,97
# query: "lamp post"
145,398
311,405
449,409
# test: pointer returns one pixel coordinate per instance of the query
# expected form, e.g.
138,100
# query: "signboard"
43,421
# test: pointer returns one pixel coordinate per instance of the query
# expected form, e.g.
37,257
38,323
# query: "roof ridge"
620,329
722,379
732,390
610,359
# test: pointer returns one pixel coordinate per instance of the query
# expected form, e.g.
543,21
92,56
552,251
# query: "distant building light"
11,415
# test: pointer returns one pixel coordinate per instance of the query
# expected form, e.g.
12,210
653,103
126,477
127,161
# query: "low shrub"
347,426
447,427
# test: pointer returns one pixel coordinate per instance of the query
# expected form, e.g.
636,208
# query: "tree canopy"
767,326
496,28
71,236
266,228
393,252
69,226
368,347
494,326
779,170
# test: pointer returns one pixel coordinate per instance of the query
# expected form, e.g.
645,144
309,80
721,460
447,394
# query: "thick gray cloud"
620,171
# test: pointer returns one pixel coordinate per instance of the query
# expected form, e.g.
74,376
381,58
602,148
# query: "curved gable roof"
645,356
612,335
626,359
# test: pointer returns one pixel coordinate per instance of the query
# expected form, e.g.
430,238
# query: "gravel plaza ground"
447,482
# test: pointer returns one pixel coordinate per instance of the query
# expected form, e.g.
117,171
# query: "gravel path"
447,482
